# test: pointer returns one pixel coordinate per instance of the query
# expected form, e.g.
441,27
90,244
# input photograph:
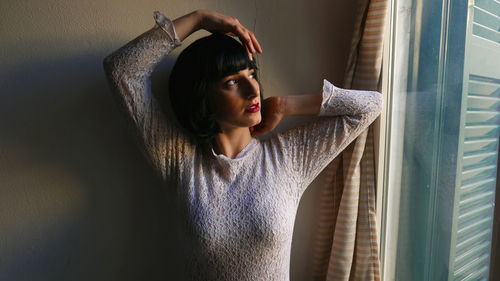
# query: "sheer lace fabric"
239,213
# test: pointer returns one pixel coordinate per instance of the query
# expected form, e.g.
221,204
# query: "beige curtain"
346,245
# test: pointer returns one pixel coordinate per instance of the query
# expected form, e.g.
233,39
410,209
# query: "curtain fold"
346,244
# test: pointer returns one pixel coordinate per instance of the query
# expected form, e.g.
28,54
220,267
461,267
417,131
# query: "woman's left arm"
342,115
331,101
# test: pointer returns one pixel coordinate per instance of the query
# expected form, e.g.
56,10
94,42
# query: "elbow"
378,102
108,65
112,69
374,106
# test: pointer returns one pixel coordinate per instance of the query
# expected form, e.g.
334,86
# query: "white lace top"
239,213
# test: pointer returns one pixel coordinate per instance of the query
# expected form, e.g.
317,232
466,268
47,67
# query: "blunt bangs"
228,57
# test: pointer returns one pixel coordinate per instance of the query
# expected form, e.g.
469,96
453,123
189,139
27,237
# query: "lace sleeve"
128,70
344,115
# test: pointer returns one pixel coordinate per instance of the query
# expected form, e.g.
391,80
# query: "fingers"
258,133
260,129
231,26
246,37
251,44
249,54
255,133
255,42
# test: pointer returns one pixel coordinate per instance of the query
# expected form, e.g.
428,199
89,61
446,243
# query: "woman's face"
233,98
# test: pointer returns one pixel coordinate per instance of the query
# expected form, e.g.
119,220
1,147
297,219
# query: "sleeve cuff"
328,89
167,25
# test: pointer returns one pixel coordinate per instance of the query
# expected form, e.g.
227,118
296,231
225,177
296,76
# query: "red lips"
253,108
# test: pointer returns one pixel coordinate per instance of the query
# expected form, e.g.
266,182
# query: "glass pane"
450,140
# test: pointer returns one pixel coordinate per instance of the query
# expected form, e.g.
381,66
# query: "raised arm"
343,115
129,68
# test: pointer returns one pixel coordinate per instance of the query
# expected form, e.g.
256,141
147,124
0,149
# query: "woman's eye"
232,82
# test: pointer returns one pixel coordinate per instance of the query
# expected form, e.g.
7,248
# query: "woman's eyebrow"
235,74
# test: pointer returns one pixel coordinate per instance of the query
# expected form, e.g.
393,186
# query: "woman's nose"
251,88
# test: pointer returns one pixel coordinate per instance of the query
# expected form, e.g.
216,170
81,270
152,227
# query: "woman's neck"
231,142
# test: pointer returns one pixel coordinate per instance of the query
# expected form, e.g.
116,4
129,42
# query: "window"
440,158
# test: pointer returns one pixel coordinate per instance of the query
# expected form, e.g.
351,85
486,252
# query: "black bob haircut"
198,67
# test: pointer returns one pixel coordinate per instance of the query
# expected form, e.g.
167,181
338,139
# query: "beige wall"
77,200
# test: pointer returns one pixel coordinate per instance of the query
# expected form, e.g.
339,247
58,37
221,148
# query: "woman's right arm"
128,70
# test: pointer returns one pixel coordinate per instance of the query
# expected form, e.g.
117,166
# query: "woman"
237,194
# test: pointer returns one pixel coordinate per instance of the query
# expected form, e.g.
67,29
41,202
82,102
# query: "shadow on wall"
77,200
